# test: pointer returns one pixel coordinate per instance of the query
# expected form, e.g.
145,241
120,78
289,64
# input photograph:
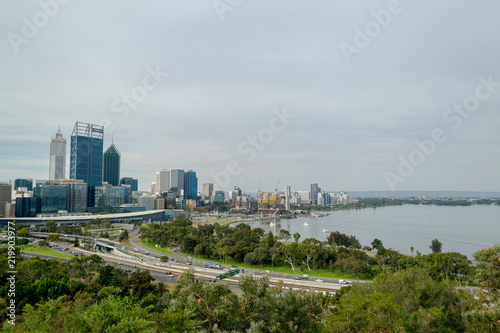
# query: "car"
319,280
234,266
134,266
188,262
268,271
297,278
168,273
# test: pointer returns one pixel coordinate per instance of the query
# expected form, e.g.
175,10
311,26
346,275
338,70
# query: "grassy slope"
35,249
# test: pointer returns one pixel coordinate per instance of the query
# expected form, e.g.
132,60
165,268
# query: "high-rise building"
217,197
232,196
20,183
50,198
76,195
111,166
314,194
134,183
146,201
288,196
5,197
25,207
170,200
86,157
305,197
208,189
190,185
162,181
107,197
177,181
57,162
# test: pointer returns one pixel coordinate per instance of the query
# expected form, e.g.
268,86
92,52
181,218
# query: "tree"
488,268
53,237
436,246
296,236
140,283
164,258
269,240
76,243
310,252
290,253
124,236
441,265
259,231
51,226
260,255
377,243
23,232
284,234
406,301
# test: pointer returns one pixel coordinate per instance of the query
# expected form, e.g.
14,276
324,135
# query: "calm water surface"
460,229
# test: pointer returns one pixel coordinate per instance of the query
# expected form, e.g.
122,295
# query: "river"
463,229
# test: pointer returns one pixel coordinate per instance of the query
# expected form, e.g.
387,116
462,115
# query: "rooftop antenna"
112,138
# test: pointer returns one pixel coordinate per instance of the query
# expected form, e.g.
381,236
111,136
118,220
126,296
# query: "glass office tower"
50,198
86,157
111,166
190,185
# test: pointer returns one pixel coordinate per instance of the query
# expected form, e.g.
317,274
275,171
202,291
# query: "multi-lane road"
135,257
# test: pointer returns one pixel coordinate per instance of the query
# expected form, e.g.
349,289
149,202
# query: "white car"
319,280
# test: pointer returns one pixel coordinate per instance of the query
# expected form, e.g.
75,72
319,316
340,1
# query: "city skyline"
263,95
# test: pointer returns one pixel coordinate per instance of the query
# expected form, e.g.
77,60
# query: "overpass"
145,216
97,244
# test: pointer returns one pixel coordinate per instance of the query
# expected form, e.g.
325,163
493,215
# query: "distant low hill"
430,194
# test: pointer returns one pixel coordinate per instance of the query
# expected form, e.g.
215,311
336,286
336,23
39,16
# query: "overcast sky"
357,92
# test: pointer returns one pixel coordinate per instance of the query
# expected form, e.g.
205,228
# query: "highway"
151,262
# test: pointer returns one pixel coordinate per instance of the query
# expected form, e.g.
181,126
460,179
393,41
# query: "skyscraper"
208,189
86,156
162,181
190,185
111,166
314,194
177,180
288,195
57,162
5,196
